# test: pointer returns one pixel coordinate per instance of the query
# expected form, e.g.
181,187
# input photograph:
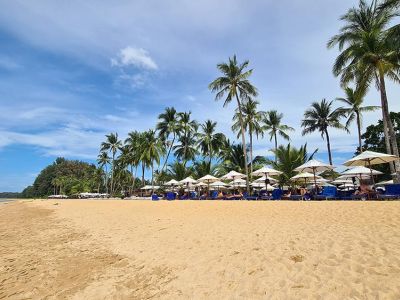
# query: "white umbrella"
263,178
150,187
200,184
188,180
265,171
362,172
238,181
305,176
368,158
218,184
314,166
173,183
232,175
342,181
208,179
385,182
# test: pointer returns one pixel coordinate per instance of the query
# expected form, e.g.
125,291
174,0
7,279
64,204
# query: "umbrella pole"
372,177
315,181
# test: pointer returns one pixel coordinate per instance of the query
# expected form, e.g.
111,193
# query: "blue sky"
72,71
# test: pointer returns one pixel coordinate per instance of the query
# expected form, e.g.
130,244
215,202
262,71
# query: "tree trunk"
390,133
169,151
276,148
152,177
112,174
387,143
142,174
133,181
251,152
328,143
244,142
106,181
359,132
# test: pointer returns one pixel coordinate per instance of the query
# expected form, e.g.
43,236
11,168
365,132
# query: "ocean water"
5,200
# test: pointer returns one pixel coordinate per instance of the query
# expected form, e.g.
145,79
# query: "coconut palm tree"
273,126
167,126
320,117
103,160
234,84
251,121
354,100
112,144
152,150
209,141
133,144
289,158
232,158
370,51
187,128
179,171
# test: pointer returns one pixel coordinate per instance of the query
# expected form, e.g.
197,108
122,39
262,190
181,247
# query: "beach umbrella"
338,181
305,176
172,183
218,184
188,180
314,166
208,179
263,178
369,158
362,172
232,175
265,171
385,182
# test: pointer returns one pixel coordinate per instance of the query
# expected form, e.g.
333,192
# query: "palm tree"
112,144
235,84
289,158
320,117
168,125
152,150
179,171
209,141
187,128
103,160
354,100
273,126
370,52
232,157
251,121
133,144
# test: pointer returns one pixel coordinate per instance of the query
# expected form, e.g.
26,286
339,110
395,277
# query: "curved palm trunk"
142,173
112,174
359,131
244,142
106,179
133,181
210,157
251,151
390,133
328,143
169,152
276,147
152,177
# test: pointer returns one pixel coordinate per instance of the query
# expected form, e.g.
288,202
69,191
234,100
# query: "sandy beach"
199,250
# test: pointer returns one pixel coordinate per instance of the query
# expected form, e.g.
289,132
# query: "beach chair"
170,196
392,191
277,194
328,192
214,195
246,196
155,197
193,196
184,197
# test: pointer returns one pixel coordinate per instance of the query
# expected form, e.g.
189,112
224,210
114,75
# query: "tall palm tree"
370,52
103,160
354,100
187,128
232,157
152,150
167,126
320,117
112,144
133,144
209,141
289,158
251,121
234,84
273,126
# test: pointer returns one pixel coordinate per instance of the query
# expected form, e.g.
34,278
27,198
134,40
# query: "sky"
73,71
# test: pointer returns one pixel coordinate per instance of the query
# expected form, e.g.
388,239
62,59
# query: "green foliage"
374,140
63,176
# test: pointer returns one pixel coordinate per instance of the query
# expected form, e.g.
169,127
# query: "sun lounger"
392,191
246,196
170,196
155,197
328,193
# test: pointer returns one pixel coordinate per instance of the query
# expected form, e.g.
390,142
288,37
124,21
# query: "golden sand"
199,250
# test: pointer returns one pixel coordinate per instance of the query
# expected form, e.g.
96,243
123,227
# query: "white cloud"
137,57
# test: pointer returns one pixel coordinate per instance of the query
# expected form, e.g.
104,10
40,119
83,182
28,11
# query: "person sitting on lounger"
220,195
364,190
236,196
